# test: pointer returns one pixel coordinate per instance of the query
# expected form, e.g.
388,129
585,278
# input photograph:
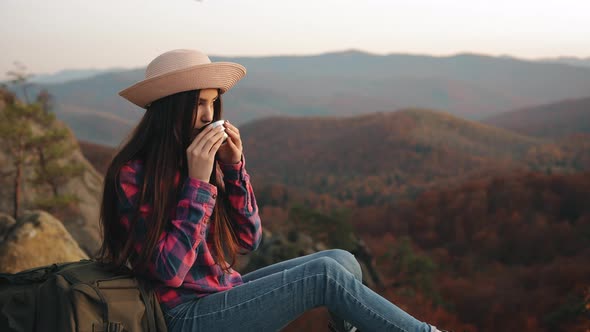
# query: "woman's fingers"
202,145
234,134
231,126
208,145
215,147
231,132
198,138
232,144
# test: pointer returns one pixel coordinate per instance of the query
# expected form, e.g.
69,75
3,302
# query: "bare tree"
46,100
20,77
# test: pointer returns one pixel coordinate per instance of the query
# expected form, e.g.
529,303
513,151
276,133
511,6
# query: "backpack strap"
74,280
107,327
36,309
148,306
32,275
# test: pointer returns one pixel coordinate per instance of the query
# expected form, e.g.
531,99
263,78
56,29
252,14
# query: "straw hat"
182,70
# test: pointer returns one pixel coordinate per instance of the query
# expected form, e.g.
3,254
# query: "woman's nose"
207,115
206,120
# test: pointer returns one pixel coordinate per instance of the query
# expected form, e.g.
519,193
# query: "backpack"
82,296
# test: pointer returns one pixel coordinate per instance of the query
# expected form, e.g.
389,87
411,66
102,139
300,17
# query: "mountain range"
343,83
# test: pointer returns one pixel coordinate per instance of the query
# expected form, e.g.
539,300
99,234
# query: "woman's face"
205,107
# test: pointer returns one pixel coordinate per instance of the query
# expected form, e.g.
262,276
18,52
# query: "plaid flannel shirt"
182,264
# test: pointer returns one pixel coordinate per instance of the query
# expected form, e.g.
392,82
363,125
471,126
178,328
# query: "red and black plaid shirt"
182,261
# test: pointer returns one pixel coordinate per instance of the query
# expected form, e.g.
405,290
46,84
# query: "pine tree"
52,170
52,148
17,142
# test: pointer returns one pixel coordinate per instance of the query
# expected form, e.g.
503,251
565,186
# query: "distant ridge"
553,120
67,75
573,61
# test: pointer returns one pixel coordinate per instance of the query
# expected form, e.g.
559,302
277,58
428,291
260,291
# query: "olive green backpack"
82,296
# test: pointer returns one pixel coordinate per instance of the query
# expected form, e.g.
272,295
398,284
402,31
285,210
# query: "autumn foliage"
511,253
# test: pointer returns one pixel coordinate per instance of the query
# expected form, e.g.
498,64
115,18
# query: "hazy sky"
48,36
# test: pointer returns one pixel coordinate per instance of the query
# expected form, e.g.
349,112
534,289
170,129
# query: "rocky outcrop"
82,219
35,239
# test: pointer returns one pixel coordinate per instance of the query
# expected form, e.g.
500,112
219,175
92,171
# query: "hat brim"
222,75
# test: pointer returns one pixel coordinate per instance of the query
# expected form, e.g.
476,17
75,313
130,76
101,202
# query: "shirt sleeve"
244,210
176,249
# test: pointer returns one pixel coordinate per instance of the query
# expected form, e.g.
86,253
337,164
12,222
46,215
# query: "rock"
6,223
36,239
371,276
83,225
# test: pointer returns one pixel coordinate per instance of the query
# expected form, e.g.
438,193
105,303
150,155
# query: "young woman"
178,200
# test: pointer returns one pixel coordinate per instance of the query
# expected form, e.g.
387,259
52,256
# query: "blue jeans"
273,296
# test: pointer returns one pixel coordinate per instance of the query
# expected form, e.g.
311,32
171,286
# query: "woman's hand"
231,151
201,153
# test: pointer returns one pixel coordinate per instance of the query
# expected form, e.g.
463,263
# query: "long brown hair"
160,140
